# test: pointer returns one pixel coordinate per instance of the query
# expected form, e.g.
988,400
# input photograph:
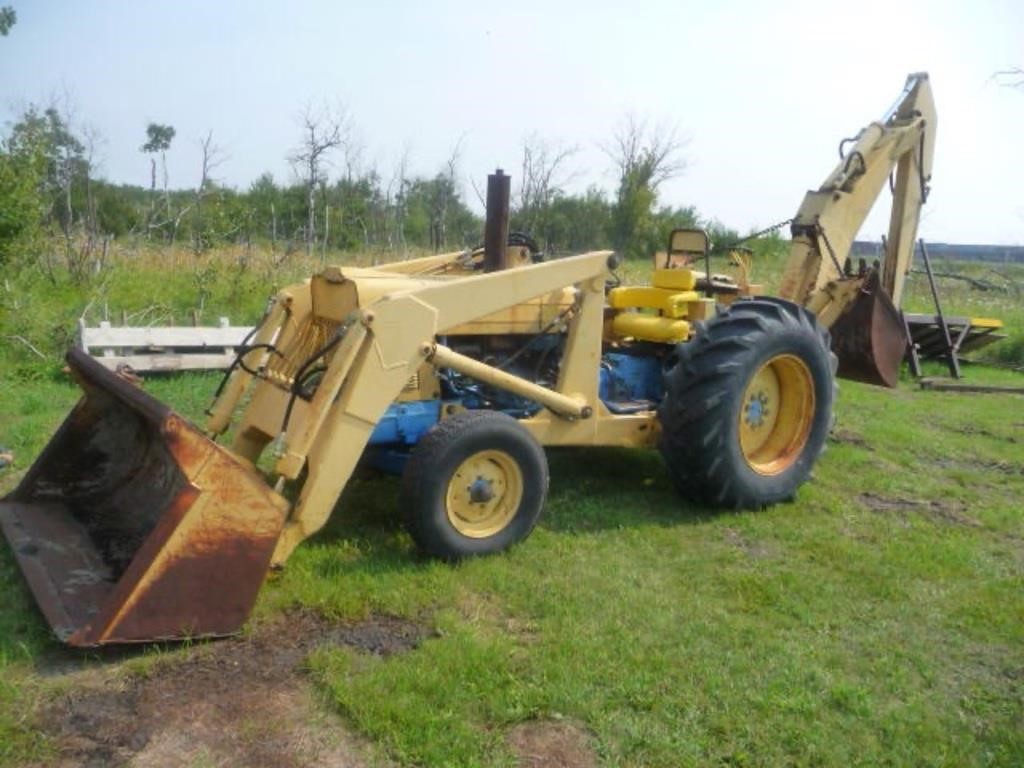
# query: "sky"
762,92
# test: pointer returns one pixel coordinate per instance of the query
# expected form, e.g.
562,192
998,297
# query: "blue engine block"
630,378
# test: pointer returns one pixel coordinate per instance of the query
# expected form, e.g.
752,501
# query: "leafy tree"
8,18
118,207
22,203
644,158
62,154
437,217
574,223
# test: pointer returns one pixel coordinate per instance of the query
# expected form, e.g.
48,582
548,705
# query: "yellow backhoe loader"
454,370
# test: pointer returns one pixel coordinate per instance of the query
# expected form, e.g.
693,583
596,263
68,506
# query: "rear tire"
474,485
748,405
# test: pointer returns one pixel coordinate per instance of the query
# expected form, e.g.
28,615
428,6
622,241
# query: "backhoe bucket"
870,338
133,526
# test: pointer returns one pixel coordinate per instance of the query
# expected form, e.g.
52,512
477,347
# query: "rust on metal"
870,338
133,526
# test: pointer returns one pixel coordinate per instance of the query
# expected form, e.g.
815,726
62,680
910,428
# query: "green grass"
821,632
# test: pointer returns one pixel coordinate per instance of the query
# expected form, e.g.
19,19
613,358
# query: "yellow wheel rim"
484,494
776,414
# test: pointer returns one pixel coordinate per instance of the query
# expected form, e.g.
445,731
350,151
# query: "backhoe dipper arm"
830,217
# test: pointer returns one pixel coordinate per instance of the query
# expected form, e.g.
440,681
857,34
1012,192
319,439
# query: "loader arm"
385,344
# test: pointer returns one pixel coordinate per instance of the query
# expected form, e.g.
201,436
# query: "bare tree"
445,192
323,130
395,202
92,139
542,178
212,157
158,139
352,155
69,158
646,155
1011,78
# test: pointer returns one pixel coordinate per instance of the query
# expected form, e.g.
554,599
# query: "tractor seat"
659,312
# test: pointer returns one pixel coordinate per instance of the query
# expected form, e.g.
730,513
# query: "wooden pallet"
163,348
968,334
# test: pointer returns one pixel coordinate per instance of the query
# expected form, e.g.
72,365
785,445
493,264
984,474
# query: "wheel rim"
776,414
484,494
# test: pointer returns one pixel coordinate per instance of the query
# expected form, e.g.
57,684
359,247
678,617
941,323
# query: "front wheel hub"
484,493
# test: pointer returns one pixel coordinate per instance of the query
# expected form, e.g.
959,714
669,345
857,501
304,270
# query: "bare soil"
971,429
849,437
236,702
755,550
937,511
552,744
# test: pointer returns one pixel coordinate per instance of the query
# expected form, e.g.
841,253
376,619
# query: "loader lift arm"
385,343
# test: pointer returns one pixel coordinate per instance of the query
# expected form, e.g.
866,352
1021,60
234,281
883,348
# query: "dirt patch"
484,612
936,510
379,635
1007,468
973,429
755,550
849,437
242,701
552,744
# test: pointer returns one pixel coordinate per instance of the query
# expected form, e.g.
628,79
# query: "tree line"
54,205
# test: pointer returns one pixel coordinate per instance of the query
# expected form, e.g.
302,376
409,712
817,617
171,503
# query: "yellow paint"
701,309
484,494
531,316
776,414
986,322
670,303
674,279
899,147
650,328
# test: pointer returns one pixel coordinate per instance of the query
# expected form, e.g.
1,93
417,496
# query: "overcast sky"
764,91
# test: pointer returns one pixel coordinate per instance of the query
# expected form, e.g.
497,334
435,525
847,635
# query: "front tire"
748,405
474,485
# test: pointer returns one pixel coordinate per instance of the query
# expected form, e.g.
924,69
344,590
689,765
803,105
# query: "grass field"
876,620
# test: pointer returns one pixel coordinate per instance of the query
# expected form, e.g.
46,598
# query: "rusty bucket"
133,526
870,338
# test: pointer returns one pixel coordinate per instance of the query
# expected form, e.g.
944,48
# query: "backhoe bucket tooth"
870,338
133,526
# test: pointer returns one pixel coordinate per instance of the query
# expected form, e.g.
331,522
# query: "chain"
760,233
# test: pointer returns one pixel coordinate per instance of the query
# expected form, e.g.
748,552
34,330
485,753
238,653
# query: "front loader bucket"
870,338
133,526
